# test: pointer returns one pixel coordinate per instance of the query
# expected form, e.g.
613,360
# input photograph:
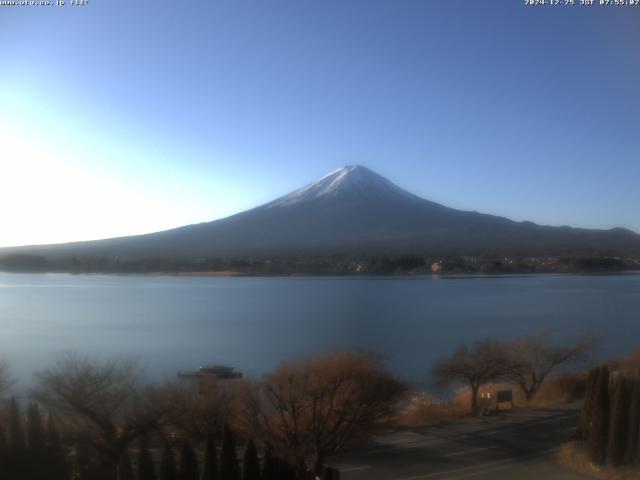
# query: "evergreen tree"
587,404
35,431
210,471
36,444
599,429
188,462
146,468
331,474
619,425
229,466
125,469
168,468
4,453
16,464
57,466
633,445
83,467
269,465
250,463
287,472
274,468
16,434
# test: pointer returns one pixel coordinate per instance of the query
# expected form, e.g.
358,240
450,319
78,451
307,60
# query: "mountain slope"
354,210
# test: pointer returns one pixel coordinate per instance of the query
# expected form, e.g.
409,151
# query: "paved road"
517,444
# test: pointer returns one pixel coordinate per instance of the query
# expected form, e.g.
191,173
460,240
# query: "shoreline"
441,276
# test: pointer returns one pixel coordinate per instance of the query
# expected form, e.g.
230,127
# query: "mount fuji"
352,210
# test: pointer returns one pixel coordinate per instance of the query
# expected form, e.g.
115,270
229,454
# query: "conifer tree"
210,471
4,453
274,468
250,463
52,436
599,429
146,468
331,474
287,471
37,462
16,459
16,434
35,431
83,469
229,465
269,465
125,469
619,424
188,462
587,404
634,423
55,455
168,468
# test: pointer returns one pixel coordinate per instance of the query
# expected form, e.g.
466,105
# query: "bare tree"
308,410
486,361
202,407
535,357
106,402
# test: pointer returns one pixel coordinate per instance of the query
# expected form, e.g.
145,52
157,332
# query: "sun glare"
54,194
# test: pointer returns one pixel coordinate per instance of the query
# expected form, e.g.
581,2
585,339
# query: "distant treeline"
322,265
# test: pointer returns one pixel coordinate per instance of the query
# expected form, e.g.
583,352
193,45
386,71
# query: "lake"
253,323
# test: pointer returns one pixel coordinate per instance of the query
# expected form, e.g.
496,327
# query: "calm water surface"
171,323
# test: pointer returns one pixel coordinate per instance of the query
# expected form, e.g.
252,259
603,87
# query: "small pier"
217,372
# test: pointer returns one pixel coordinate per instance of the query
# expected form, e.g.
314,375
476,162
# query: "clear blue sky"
123,117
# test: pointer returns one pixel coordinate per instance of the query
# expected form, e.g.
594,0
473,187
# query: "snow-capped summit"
352,210
351,181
